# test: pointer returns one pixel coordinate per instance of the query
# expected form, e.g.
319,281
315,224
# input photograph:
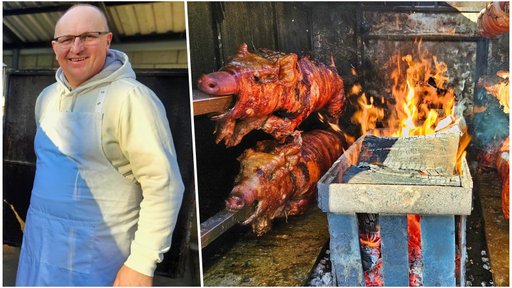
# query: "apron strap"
101,98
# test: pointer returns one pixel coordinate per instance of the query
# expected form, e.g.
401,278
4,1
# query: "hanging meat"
281,178
273,92
503,166
493,20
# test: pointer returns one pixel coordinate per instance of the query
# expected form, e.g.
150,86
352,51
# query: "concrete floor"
10,264
496,227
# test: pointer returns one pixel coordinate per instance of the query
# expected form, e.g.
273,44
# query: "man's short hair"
105,21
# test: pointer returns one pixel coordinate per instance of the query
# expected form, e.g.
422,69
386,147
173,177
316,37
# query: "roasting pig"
503,167
273,92
281,178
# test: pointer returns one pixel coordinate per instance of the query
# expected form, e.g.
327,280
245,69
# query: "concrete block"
336,197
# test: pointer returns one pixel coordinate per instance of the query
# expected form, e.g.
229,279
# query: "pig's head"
255,70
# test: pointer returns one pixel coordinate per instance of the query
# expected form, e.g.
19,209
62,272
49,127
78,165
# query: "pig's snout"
235,202
218,83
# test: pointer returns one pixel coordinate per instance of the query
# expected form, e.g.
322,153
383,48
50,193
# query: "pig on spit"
280,179
273,92
503,167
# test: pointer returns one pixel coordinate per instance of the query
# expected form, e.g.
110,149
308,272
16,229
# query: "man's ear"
109,39
54,47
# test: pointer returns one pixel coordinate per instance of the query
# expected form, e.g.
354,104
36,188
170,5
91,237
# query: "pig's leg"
281,128
224,129
334,107
300,204
242,128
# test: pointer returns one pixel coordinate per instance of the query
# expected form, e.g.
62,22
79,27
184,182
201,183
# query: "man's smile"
77,59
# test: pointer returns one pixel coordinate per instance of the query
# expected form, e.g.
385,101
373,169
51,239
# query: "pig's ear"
288,72
242,50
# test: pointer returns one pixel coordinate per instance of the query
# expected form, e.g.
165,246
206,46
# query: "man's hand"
129,277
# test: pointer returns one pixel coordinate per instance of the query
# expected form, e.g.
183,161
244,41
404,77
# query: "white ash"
322,274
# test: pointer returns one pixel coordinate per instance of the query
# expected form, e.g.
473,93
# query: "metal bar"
216,225
482,63
19,162
438,250
204,104
463,252
345,251
425,37
394,245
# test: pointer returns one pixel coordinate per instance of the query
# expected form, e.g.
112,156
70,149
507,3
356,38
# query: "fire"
367,115
422,97
424,104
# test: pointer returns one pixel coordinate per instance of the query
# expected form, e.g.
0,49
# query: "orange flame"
366,115
421,95
419,87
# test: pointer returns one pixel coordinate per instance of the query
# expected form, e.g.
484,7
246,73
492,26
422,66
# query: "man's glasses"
88,38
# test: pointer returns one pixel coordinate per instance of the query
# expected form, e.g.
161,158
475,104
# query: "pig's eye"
271,77
256,78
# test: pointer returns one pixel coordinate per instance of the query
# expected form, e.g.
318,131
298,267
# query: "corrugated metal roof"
151,18
32,23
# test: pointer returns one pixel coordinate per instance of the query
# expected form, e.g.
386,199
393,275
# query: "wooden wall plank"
203,49
293,25
246,22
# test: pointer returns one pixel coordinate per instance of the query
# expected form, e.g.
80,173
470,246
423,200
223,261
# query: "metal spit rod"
219,223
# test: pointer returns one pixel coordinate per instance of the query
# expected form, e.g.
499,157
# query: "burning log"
273,92
281,179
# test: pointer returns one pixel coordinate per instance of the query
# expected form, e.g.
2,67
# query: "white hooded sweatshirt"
137,141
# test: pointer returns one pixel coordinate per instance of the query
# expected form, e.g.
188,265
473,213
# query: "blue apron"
83,213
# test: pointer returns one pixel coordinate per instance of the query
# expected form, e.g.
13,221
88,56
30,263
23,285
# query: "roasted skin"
280,179
503,167
273,92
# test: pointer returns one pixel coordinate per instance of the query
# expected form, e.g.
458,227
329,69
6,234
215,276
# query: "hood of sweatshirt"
117,66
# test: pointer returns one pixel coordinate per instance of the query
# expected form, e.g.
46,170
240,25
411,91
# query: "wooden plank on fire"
394,244
432,152
205,104
345,253
438,250
376,174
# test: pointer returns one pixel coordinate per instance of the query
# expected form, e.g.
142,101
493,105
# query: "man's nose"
77,45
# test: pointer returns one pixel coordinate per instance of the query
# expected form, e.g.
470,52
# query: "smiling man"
107,189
